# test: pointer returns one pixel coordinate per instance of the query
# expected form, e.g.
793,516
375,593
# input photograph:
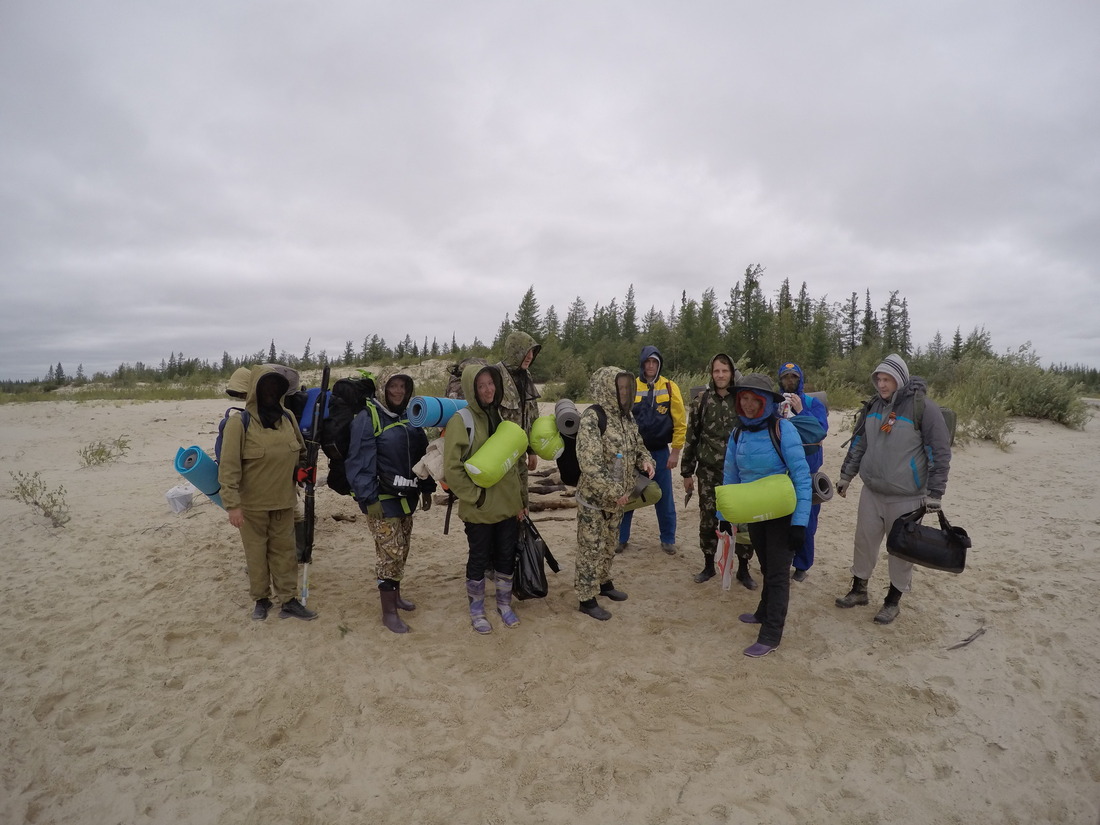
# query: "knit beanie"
895,367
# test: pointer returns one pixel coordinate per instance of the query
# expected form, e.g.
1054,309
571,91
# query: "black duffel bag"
529,578
942,548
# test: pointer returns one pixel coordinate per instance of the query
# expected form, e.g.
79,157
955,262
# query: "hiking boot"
890,608
888,613
259,612
759,649
748,618
608,589
856,596
593,609
294,609
799,575
621,547
669,548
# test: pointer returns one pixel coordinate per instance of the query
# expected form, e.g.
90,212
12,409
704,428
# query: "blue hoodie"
810,406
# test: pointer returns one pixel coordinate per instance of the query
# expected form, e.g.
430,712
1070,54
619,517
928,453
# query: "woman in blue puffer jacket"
753,452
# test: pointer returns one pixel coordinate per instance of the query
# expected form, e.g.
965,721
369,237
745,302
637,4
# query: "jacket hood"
469,382
408,386
761,385
647,353
790,366
239,383
734,378
264,373
294,381
516,347
602,389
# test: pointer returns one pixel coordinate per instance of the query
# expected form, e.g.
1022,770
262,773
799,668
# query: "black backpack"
568,468
349,397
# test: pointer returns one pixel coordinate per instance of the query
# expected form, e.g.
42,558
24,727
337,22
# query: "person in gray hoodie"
903,463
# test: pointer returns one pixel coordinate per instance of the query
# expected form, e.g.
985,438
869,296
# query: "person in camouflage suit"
520,403
711,419
608,453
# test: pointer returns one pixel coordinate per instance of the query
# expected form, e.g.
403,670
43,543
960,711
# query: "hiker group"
749,452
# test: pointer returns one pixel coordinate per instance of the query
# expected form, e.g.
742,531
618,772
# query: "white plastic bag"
181,497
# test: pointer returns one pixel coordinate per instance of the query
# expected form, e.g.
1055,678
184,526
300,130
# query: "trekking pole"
313,447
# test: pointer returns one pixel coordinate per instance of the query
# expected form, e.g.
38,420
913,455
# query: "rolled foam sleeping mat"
569,420
761,500
546,441
201,470
432,411
497,455
646,492
822,487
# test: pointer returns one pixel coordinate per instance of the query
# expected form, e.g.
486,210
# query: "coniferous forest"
837,344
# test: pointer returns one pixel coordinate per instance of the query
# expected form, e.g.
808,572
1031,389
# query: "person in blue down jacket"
751,454
792,385
383,448
903,463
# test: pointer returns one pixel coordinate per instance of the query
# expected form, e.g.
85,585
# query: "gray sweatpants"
876,515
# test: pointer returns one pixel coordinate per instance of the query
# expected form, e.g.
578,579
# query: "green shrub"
104,452
31,489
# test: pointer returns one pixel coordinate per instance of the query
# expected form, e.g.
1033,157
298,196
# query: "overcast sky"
207,176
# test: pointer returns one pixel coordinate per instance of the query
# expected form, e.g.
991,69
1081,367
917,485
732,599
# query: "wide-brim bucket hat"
759,383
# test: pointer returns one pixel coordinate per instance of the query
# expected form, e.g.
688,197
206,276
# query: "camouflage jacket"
598,487
519,410
705,446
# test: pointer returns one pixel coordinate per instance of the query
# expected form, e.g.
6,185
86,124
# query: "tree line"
832,341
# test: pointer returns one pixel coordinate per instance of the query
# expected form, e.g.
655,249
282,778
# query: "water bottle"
617,468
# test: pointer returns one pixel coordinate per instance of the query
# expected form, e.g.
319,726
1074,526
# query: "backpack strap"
776,437
704,400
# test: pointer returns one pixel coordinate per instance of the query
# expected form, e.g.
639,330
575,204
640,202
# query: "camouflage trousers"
708,518
597,536
392,537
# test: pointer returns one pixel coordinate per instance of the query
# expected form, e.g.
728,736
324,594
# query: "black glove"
725,527
425,501
796,537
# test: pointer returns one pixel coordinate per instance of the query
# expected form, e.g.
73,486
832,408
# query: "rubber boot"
708,572
743,575
504,601
857,595
608,589
387,591
402,603
890,607
475,592
593,609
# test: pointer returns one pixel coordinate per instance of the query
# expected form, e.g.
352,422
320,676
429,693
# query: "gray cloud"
207,177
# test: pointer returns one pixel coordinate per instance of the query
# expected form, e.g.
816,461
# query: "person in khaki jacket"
262,450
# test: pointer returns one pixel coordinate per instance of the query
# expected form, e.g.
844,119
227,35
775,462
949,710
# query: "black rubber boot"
708,572
593,609
387,592
743,575
403,603
608,589
856,596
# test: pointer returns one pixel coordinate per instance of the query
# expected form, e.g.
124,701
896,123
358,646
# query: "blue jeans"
666,507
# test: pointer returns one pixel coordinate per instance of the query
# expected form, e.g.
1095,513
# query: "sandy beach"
135,688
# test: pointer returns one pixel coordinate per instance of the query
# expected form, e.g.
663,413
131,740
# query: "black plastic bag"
529,579
942,548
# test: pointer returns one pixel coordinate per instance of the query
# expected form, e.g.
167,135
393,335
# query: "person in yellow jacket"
662,421
262,450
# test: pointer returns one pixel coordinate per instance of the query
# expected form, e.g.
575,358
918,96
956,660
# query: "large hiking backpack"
454,383
348,397
950,417
568,468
